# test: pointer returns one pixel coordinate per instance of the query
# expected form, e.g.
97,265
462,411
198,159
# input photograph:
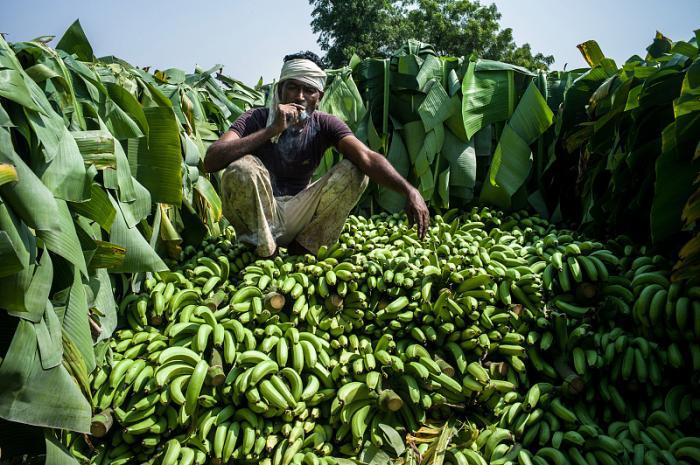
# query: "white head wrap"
299,69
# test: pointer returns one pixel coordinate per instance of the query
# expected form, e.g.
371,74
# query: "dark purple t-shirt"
293,160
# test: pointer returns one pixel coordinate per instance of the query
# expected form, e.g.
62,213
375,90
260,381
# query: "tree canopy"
374,28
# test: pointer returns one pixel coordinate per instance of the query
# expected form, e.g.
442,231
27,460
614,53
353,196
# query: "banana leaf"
64,241
97,148
432,68
75,321
134,212
512,159
56,453
343,99
689,99
192,152
66,175
9,257
50,72
121,124
443,185
24,393
591,52
414,135
104,302
488,97
13,81
98,208
436,107
367,133
140,256
455,122
75,42
209,195
106,255
5,121
120,178
21,254
167,233
659,46
461,157
49,338
17,243
37,293
156,161
676,172
388,199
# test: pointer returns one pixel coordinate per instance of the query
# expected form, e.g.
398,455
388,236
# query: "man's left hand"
417,212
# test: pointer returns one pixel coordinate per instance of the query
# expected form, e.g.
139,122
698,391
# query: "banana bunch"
571,263
561,435
631,358
272,384
358,409
542,343
653,440
661,306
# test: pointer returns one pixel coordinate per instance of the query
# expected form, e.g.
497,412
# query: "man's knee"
354,176
245,166
242,172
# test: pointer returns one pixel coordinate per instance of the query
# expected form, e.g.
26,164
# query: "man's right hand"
287,115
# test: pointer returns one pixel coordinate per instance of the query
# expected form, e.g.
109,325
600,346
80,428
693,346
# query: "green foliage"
454,28
99,172
627,139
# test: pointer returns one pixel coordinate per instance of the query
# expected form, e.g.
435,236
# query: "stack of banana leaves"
99,178
580,146
627,139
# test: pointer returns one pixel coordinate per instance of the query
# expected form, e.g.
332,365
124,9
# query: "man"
270,155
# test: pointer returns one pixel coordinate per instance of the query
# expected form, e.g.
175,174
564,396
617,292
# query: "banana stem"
334,303
101,423
573,384
214,301
274,301
390,401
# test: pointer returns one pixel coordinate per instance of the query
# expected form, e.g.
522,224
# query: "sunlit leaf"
98,208
591,52
75,42
107,255
436,107
156,161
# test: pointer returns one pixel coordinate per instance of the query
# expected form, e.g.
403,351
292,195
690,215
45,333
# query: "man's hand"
417,212
287,115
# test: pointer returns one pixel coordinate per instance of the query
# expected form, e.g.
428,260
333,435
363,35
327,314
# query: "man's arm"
379,170
230,147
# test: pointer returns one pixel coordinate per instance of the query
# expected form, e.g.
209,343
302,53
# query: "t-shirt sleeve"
249,122
336,129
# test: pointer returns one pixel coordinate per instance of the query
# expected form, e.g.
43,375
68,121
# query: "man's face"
293,91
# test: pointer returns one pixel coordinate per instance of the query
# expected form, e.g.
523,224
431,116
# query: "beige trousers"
313,217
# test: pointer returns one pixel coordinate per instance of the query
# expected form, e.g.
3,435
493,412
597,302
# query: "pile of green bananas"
542,345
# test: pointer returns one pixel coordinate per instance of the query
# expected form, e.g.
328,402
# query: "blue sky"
250,37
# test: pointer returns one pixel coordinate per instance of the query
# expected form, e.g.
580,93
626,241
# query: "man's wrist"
270,131
408,189
275,130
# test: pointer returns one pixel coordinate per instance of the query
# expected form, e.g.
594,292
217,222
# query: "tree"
374,28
